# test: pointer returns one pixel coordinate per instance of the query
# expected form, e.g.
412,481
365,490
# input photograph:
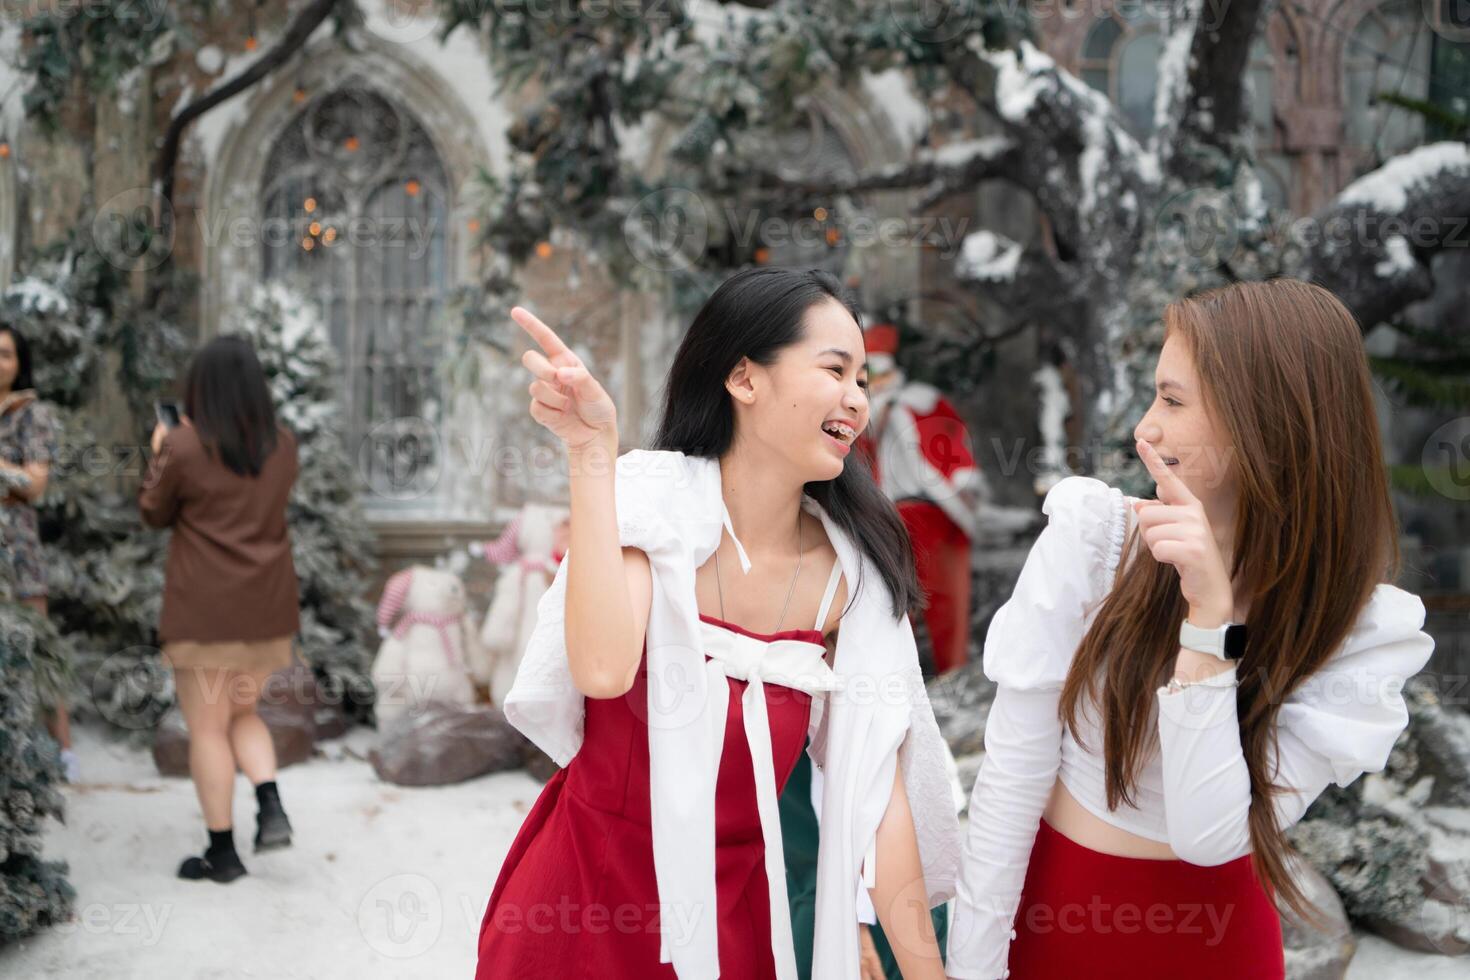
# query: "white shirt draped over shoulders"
670,506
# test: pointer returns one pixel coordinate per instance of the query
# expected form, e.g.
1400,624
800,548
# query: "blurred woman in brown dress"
221,480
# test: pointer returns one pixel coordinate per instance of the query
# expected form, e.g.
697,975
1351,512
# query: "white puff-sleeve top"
1193,788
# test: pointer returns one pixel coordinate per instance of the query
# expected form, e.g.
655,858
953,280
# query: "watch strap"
1227,642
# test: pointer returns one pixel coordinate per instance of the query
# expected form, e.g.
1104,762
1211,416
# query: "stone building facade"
393,135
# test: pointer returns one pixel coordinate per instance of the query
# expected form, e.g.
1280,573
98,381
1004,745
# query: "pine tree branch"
1456,124
1433,337
1427,383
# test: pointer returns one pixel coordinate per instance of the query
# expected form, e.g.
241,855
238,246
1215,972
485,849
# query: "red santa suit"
920,453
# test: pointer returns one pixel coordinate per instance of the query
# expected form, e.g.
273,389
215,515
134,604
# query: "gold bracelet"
1176,685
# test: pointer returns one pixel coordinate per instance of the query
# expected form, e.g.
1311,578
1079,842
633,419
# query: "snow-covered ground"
381,882
1379,959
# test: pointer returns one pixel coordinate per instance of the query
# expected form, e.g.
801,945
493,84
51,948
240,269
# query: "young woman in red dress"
770,382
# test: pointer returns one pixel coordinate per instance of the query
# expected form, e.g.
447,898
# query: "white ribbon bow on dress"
797,664
669,505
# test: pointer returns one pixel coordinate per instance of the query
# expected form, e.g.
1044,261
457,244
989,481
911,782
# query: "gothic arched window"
355,207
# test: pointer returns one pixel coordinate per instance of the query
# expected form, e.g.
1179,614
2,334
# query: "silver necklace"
799,552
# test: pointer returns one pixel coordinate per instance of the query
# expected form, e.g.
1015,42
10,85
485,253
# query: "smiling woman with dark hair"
677,688
221,479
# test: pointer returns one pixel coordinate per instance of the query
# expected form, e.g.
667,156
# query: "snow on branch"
988,256
1372,246
1390,188
1172,90
951,169
1026,282
1085,169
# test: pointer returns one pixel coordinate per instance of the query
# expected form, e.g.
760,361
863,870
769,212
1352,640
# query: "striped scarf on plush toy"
506,550
390,606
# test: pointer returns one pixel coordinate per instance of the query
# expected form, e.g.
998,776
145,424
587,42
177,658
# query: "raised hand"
564,396
1177,532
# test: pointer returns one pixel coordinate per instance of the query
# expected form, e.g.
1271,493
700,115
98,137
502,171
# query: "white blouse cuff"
1200,704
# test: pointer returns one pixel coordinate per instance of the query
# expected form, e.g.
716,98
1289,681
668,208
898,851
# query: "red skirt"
1088,914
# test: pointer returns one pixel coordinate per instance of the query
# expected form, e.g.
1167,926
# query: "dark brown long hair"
1284,374
227,398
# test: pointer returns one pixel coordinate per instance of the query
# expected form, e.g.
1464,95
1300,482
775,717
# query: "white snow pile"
1387,188
892,90
380,880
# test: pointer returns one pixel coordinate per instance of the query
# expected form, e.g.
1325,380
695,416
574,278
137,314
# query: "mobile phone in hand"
168,414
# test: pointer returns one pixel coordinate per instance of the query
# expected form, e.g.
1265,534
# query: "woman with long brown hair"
1179,678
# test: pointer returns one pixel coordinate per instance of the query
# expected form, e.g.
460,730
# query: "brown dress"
230,587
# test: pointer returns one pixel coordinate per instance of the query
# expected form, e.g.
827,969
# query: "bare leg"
204,699
249,736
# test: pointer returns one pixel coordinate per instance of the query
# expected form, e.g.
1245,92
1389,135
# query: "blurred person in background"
220,479
27,446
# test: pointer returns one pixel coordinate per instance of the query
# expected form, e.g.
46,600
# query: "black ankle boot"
273,830
220,862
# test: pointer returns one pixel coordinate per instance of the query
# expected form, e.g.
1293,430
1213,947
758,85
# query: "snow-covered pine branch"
1373,245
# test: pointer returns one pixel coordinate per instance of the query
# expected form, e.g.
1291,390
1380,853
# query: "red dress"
577,897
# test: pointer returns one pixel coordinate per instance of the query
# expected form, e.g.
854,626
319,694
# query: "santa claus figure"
920,453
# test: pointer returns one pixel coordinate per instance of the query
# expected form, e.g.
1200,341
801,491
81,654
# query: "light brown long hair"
1284,375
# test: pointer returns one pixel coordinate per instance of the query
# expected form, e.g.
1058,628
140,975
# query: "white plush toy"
429,651
528,551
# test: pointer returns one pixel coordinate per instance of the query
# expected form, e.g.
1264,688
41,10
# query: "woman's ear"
739,383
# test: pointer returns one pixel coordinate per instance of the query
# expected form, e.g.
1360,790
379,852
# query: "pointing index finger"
1171,489
540,332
